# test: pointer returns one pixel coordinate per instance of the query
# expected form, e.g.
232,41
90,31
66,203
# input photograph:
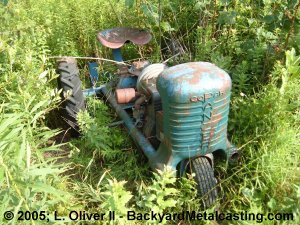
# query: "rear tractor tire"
74,101
206,181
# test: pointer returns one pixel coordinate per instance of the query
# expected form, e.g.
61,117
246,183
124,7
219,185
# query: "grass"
103,170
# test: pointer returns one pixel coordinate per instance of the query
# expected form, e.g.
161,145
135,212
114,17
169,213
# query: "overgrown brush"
105,171
29,175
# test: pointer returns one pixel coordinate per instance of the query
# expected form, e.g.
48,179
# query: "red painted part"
125,95
116,37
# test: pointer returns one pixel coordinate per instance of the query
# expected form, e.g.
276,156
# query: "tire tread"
206,182
69,80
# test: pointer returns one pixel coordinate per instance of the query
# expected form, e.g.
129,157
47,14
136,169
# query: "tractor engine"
183,111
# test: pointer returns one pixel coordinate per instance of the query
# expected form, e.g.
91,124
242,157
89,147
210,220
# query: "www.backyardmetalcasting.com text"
151,216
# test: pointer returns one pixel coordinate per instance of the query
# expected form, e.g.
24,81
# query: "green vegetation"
255,41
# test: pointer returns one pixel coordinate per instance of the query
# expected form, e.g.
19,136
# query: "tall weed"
246,38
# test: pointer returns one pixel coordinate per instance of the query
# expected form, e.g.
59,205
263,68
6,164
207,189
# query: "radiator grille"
191,129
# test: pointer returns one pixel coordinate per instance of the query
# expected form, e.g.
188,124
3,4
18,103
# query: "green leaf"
22,149
201,5
12,119
129,3
37,116
42,171
1,174
166,27
151,12
227,17
38,105
269,19
45,188
272,203
248,193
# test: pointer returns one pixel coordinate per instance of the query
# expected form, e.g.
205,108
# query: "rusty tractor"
176,115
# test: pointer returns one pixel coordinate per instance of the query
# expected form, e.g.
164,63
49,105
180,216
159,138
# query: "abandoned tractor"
176,115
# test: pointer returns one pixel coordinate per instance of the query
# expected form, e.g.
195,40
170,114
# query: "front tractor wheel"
72,95
206,181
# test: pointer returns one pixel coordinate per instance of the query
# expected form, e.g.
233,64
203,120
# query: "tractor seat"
117,37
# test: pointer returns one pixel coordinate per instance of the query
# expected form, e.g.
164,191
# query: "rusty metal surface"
116,37
195,98
125,95
137,67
